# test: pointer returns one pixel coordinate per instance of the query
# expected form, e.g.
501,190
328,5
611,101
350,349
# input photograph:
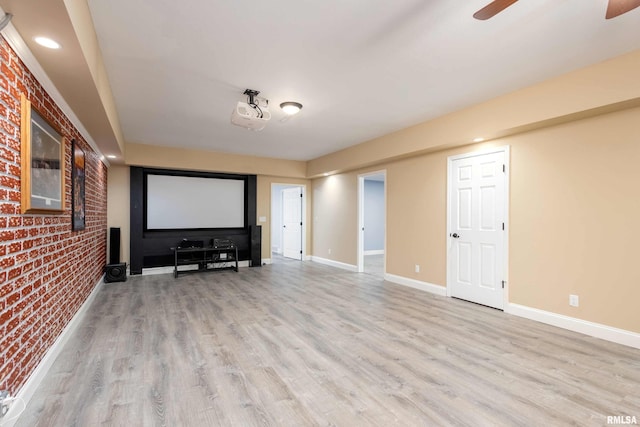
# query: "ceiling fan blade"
493,9
619,7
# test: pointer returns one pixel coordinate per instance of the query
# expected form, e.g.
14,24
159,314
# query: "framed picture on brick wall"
42,163
77,186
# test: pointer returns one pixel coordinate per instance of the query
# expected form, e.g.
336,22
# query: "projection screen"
179,202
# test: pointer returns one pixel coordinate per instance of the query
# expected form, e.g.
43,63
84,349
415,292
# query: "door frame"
361,179
303,187
505,268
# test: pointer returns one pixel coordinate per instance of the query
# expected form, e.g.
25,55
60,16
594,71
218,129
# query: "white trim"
598,330
337,264
374,252
416,284
21,49
29,388
303,187
507,162
266,261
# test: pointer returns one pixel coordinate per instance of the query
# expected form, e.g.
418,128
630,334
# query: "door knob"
454,235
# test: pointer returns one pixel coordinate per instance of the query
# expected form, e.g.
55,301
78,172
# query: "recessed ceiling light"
111,156
326,174
478,139
291,108
47,42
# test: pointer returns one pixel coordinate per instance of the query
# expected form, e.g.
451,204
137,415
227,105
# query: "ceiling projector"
253,114
246,116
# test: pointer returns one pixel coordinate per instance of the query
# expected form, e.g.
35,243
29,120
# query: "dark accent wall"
152,248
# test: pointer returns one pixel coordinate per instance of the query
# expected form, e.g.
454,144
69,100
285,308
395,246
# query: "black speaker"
114,245
256,245
115,273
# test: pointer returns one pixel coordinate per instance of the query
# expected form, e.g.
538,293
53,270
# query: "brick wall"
47,271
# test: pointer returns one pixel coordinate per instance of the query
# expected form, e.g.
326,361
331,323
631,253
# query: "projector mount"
254,102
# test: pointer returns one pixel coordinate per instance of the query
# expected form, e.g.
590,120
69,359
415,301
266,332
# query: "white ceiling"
361,68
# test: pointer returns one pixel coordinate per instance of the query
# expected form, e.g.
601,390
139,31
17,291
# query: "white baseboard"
597,330
308,258
417,284
165,270
374,252
337,264
266,261
29,388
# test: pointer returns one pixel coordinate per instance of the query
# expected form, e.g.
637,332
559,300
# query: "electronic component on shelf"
223,243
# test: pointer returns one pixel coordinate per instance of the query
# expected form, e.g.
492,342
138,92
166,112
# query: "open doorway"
372,223
287,222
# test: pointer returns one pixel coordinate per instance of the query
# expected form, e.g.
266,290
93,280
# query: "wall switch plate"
329,251
417,268
574,300
262,219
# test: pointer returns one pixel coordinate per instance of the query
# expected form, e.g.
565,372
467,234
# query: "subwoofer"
115,272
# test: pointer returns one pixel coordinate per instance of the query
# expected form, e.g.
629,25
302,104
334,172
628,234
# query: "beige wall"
573,217
179,158
118,211
604,87
335,218
264,209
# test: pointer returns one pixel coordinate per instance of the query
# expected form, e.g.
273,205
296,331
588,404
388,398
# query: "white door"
292,222
477,216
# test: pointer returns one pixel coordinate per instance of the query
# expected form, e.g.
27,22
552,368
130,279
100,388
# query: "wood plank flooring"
303,344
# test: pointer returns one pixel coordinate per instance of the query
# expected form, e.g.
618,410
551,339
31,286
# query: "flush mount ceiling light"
478,139
47,42
291,108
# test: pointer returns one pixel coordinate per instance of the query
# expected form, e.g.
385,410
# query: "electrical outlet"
574,300
417,268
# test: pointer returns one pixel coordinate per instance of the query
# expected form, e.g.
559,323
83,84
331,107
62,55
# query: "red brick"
8,208
7,73
7,262
14,196
13,170
6,316
9,182
14,273
17,69
6,236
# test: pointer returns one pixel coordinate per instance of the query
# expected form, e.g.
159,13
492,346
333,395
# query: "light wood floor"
303,344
